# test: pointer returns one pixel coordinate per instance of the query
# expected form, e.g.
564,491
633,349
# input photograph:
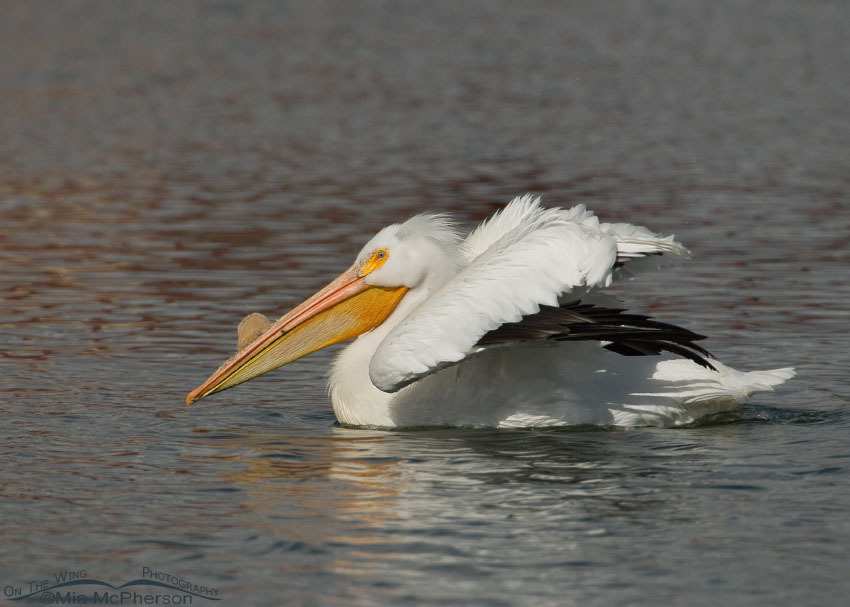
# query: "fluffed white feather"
524,257
640,250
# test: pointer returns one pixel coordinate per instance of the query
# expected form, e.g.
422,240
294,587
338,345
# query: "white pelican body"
503,328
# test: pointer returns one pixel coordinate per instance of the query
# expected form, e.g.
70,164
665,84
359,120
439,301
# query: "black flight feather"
628,334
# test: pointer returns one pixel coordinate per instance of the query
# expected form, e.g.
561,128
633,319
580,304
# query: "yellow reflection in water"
337,488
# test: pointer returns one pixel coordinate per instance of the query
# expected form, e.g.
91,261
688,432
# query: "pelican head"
414,257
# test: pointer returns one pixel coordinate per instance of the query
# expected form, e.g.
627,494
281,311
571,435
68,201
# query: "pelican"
506,327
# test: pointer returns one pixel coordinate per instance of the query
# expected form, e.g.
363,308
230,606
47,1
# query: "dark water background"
166,168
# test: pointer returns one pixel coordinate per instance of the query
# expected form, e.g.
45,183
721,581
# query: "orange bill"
344,309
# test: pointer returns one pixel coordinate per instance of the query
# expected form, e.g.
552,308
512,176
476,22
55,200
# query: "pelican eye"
376,260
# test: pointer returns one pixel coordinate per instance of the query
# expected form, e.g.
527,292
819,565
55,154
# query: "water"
167,168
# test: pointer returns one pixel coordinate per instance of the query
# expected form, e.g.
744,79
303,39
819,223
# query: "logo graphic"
152,588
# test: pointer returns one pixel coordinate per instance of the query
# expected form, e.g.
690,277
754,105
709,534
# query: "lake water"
167,168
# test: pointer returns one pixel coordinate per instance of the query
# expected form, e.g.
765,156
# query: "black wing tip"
656,347
628,334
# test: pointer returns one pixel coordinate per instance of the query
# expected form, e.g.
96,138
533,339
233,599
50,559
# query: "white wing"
523,257
523,212
639,249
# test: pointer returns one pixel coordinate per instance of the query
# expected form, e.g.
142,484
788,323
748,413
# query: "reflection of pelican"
502,328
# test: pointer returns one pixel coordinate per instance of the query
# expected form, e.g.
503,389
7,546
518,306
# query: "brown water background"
168,167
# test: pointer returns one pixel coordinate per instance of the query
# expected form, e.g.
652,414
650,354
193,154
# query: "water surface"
167,168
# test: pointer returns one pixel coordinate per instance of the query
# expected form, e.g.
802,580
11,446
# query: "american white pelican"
503,328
